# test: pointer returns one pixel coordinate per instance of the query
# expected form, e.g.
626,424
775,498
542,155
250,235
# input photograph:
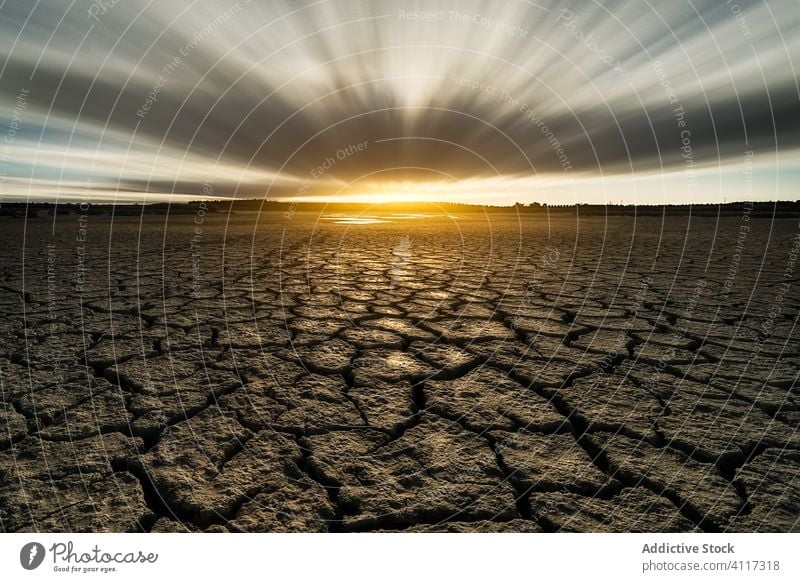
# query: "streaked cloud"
453,99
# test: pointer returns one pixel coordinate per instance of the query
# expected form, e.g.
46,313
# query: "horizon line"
317,203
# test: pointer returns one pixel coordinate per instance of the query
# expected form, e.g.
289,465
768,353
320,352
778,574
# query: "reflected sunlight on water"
355,219
384,219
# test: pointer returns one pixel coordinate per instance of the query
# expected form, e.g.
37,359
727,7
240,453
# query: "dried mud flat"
265,373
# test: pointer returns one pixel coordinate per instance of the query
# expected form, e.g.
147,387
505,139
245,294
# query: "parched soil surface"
472,373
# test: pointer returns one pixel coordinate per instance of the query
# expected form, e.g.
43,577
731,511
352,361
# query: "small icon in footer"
31,555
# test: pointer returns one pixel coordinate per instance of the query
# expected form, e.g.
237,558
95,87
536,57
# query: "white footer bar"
401,557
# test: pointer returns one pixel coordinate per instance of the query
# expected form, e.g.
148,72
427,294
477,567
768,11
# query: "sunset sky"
471,101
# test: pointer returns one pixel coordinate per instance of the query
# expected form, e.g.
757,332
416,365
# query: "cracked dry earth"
486,373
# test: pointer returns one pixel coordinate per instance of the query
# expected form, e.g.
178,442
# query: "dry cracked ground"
474,373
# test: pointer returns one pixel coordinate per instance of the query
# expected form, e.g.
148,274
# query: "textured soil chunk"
154,414
18,380
771,399
70,486
487,399
209,466
446,359
249,336
770,484
258,405
612,402
167,525
389,366
110,351
190,456
290,506
262,365
632,510
373,337
102,412
550,463
467,331
13,425
529,365
697,485
385,405
113,504
403,328
328,357
435,471
316,403
480,526
34,457
650,353
604,341
721,429
53,352
52,401
77,503
535,327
